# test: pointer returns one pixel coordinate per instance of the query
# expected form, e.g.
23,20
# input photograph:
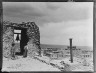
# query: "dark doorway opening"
23,40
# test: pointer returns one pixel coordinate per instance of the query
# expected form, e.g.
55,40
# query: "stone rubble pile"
64,67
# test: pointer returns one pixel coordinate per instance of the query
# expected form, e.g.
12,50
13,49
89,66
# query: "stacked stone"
34,34
32,49
7,40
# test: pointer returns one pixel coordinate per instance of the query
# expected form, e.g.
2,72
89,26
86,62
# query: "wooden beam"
17,33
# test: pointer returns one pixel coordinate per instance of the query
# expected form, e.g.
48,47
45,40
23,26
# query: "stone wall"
7,40
32,49
34,36
32,33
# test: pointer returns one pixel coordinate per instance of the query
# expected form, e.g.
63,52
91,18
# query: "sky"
57,21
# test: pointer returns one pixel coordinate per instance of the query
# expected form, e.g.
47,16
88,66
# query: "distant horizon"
62,45
58,44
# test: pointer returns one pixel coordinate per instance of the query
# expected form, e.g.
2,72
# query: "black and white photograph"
48,36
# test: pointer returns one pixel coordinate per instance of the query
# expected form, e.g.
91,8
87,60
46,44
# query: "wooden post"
71,47
71,55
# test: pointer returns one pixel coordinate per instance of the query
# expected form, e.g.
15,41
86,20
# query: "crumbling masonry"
32,33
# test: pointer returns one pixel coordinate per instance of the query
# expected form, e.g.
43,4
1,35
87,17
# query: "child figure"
13,51
25,51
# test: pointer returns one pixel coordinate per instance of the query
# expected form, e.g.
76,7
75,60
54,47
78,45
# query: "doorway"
23,39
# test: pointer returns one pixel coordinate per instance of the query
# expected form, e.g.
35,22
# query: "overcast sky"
58,21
